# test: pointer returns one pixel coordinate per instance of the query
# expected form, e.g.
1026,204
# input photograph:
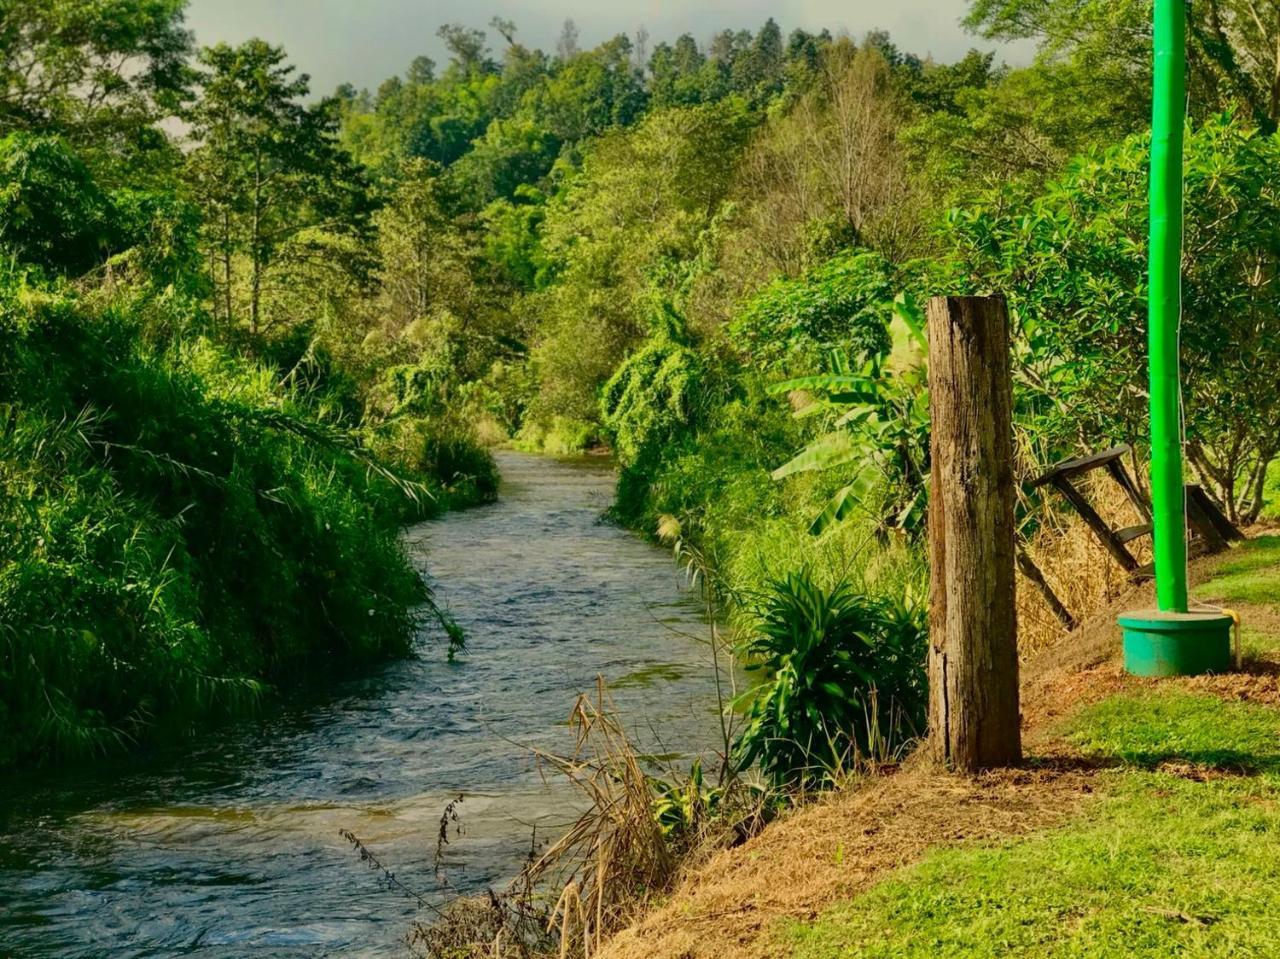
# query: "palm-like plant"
843,678
879,429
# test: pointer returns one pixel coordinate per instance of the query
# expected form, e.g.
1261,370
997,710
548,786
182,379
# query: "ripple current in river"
230,847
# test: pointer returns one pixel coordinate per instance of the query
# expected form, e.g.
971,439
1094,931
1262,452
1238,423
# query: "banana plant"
878,416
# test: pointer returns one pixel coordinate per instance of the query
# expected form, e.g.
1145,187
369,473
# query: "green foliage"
846,303
52,213
878,419
177,532
277,191
682,807
98,73
1071,264
653,395
633,225
843,680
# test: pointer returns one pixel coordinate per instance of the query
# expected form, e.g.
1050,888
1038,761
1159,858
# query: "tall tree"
468,49
97,73
268,170
1233,48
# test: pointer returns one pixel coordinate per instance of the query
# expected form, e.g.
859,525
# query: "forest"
251,330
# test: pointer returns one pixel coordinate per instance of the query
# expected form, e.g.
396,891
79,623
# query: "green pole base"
1157,643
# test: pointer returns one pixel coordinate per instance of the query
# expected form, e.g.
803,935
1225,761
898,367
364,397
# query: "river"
230,846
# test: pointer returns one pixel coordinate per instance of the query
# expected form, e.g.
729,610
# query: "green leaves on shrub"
652,395
843,680
845,303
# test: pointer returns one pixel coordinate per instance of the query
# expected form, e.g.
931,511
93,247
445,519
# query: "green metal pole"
1165,303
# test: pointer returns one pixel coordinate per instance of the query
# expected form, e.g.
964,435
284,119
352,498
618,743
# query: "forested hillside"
709,258
250,329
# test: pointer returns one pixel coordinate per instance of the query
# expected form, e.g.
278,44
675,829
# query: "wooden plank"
1211,515
1130,533
1080,464
1096,523
1136,497
1210,536
1031,571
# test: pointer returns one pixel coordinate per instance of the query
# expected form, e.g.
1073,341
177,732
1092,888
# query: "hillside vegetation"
249,330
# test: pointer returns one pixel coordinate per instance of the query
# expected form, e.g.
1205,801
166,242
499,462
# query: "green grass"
1149,727
1158,865
1251,574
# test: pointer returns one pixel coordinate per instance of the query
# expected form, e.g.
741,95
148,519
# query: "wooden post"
973,657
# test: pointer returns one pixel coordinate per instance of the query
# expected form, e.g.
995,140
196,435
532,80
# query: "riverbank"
1146,821
231,845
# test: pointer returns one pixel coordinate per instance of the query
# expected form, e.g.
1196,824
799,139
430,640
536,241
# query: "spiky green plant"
842,679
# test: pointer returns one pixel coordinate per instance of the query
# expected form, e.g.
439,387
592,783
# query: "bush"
845,303
652,397
176,533
843,680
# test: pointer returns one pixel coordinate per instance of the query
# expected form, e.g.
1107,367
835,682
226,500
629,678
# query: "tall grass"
177,534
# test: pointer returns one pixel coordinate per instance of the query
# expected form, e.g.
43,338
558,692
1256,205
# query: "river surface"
230,847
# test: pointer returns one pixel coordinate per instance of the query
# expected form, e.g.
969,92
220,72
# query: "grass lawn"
1179,855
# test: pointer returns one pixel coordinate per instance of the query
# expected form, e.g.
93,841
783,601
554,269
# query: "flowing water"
231,847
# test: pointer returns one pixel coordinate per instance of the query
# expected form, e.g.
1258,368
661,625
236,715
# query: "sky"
365,41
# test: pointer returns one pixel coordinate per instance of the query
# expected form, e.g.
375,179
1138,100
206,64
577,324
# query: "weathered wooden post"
973,655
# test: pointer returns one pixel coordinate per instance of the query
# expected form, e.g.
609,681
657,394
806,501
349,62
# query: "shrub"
845,303
652,396
843,680
175,533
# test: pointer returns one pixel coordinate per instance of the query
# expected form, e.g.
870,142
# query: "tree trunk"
226,268
973,656
255,286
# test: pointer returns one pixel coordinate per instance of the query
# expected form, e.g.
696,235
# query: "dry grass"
615,856
830,850
601,873
1081,571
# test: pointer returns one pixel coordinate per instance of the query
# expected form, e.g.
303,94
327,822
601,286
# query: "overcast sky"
366,41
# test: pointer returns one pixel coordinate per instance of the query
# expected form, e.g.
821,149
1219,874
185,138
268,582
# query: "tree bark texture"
974,720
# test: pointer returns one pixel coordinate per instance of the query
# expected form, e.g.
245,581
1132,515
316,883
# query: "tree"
757,69
830,172
567,46
633,225
675,73
505,28
423,258
52,213
421,70
468,49
1233,50
99,74
591,92
1072,265
272,178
